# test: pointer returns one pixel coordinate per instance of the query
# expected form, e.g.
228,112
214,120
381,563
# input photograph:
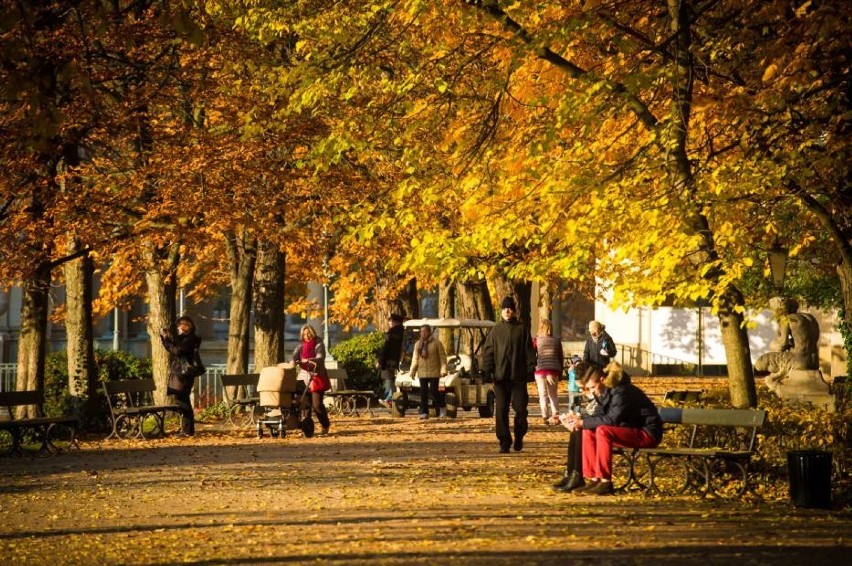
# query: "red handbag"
320,383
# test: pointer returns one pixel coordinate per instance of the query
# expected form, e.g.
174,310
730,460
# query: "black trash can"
810,478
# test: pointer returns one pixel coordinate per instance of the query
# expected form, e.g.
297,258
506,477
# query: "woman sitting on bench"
624,417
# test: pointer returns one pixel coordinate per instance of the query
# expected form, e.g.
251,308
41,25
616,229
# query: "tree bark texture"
446,309
32,344
82,376
474,301
269,306
242,254
679,171
161,280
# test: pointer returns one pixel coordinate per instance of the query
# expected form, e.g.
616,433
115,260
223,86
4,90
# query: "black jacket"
626,405
179,347
392,348
508,352
592,353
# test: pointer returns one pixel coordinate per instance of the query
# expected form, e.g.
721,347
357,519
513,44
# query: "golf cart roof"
449,323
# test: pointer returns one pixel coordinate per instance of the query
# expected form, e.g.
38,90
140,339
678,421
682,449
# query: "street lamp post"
780,304
778,265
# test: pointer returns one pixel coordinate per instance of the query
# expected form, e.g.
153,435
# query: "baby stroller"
282,407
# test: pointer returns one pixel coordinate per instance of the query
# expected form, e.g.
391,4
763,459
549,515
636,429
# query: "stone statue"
793,363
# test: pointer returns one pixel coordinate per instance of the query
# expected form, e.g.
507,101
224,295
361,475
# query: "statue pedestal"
806,385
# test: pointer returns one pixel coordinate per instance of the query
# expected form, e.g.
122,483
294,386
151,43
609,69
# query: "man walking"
389,357
508,357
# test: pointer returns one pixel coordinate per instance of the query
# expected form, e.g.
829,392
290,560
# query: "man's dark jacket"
392,348
508,352
626,405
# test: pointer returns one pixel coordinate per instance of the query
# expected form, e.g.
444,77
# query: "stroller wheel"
259,430
307,426
282,426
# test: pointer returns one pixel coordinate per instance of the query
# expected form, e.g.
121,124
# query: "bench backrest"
338,377
732,429
724,417
129,393
11,399
244,380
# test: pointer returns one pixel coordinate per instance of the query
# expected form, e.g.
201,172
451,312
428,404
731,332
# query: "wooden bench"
712,450
132,410
242,407
50,433
345,401
682,397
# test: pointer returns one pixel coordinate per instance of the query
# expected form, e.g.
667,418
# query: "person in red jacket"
508,357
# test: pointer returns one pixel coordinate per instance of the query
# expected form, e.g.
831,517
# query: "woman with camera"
184,367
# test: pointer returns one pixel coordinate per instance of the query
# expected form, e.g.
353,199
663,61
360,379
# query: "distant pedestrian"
183,369
600,347
548,370
429,364
312,349
389,357
508,357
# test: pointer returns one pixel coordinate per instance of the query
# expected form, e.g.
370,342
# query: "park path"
376,491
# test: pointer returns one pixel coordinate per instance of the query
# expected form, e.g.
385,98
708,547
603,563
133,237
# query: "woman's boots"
569,482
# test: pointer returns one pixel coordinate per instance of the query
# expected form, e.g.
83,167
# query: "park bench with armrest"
48,432
132,411
345,401
241,409
714,450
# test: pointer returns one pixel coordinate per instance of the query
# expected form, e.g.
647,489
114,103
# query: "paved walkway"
377,491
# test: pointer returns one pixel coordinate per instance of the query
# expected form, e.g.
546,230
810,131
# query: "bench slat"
240,379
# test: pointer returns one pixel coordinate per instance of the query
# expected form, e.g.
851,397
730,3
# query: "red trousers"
598,443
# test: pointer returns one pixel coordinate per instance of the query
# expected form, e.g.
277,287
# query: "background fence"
207,391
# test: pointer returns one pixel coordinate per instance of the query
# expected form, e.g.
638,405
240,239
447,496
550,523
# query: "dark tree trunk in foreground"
242,253
269,306
32,344
82,377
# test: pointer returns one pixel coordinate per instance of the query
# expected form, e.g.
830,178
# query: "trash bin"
810,478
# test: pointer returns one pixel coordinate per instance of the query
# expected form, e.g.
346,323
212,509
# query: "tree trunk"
82,377
161,279
269,306
409,301
474,301
446,309
242,253
32,344
546,292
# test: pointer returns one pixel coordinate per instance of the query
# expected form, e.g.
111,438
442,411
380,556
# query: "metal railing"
207,390
638,359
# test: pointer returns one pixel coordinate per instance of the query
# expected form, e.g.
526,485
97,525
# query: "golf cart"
464,384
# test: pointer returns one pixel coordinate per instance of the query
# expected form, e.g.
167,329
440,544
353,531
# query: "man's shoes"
601,488
504,448
583,490
569,482
184,434
519,444
323,431
424,416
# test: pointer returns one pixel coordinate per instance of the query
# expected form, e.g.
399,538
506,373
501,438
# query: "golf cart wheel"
452,405
487,411
398,405
307,426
